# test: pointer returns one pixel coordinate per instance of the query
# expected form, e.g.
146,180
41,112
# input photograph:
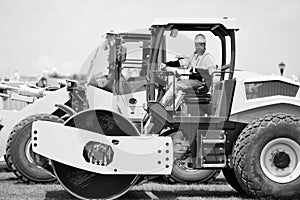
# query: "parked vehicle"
249,128
98,93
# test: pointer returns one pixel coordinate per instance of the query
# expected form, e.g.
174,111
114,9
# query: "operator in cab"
201,65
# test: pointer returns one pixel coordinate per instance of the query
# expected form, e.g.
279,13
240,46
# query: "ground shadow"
146,195
59,194
182,194
8,177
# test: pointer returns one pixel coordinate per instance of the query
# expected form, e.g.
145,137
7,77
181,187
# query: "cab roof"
195,23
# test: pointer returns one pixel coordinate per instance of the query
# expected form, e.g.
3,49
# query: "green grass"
12,188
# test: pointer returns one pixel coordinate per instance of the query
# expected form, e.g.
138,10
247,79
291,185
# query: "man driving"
201,65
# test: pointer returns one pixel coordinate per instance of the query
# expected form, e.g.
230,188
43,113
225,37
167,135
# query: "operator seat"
197,101
197,95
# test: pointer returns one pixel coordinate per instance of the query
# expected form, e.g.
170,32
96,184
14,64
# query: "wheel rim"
29,152
30,156
280,160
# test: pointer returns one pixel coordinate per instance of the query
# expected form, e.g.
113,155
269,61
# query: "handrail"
224,67
130,67
219,72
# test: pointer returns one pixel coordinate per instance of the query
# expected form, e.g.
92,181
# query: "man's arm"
163,66
186,61
175,63
183,61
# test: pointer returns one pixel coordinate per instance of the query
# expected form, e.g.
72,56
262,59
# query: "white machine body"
129,154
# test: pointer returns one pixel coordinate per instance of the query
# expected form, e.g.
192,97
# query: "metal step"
211,149
213,165
213,141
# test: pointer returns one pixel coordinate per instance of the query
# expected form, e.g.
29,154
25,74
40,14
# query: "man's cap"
200,38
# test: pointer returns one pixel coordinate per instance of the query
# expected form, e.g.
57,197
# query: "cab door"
131,94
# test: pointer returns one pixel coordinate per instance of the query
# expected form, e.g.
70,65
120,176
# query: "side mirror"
174,33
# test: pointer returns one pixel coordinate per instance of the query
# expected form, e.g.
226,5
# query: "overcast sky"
35,34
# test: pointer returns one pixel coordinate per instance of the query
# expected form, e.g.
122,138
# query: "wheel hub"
280,160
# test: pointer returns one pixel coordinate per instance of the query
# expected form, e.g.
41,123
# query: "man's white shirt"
205,61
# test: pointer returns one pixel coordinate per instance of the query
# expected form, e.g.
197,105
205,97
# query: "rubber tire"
15,151
232,180
247,151
8,166
180,175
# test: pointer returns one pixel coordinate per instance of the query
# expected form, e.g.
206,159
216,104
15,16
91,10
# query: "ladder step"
213,141
214,165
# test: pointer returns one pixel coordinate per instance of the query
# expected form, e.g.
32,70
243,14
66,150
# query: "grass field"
13,189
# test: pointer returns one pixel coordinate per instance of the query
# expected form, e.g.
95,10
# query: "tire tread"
243,141
10,141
